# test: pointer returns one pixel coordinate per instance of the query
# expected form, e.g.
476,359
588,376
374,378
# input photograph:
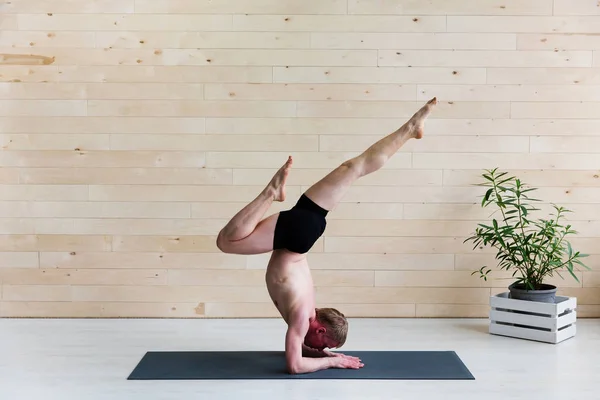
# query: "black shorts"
298,228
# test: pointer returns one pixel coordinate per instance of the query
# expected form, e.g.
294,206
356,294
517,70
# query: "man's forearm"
307,365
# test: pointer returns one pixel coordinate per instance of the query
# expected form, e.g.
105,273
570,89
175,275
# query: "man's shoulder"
298,317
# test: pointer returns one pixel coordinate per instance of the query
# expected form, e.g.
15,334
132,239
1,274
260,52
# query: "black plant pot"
545,294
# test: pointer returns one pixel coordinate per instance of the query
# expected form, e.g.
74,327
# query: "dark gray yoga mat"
236,365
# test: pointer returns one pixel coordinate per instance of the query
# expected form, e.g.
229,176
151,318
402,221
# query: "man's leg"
330,190
247,232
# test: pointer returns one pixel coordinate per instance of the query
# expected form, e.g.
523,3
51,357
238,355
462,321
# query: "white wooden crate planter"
543,322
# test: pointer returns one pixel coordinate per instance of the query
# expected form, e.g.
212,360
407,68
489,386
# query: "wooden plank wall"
131,130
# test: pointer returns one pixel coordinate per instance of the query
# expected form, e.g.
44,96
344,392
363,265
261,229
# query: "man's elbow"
294,368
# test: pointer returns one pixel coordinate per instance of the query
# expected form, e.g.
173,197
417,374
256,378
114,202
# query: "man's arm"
296,362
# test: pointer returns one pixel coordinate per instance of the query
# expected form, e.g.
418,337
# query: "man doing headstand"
290,235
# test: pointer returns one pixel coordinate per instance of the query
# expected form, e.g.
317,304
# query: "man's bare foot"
417,121
276,187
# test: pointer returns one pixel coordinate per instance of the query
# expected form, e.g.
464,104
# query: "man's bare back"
290,234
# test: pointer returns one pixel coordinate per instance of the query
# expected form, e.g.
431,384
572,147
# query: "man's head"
328,330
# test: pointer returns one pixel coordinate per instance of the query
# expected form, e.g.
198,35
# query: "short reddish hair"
335,322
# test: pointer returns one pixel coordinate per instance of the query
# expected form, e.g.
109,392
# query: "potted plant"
535,249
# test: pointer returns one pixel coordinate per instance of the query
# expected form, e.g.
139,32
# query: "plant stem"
551,253
531,263
515,262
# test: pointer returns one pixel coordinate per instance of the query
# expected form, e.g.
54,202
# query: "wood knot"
415,19
73,253
139,61
77,149
286,19
158,52
454,72
51,35
142,42
544,40
49,14
596,176
208,60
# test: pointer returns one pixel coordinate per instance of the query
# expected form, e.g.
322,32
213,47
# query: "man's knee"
354,166
223,243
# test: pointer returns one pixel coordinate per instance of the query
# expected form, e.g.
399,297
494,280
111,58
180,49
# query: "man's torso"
289,283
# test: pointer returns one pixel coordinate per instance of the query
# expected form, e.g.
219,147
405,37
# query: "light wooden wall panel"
452,7
522,24
132,130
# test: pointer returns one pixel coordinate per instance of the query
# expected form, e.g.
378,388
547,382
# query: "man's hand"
347,362
309,352
332,354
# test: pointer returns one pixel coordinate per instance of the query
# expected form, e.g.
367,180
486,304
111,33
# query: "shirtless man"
290,235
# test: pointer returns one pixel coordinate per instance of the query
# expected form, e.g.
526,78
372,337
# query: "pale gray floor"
91,359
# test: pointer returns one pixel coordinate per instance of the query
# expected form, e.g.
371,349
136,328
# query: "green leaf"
570,269
523,210
506,180
582,264
486,197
